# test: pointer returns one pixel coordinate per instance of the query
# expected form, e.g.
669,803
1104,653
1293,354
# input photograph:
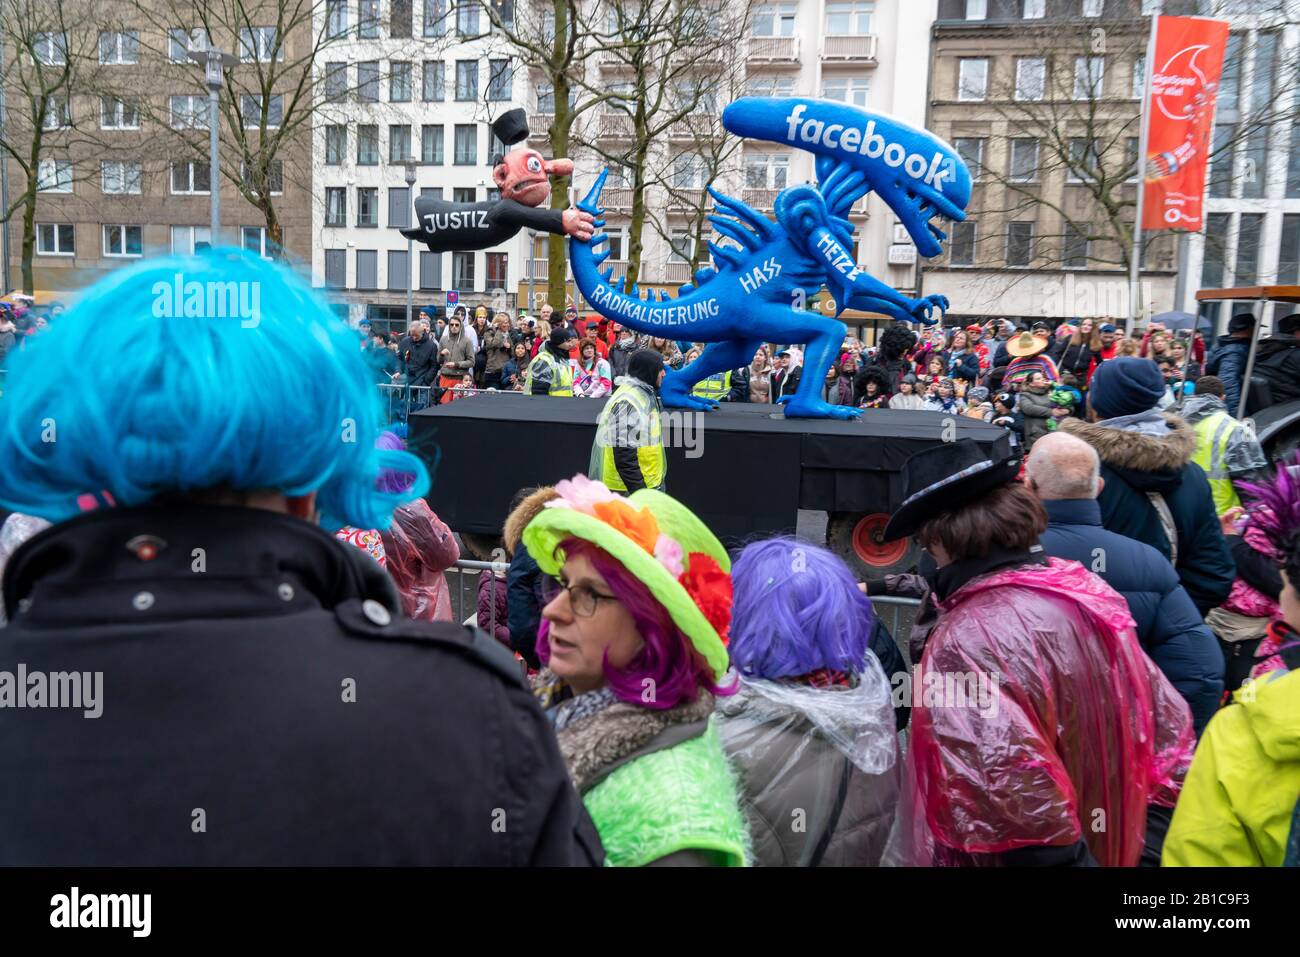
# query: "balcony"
698,127
678,273
773,50
688,200
761,199
616,199
535,270
614,126
539,127
860,49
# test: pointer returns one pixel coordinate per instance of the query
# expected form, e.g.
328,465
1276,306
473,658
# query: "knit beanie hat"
1125,386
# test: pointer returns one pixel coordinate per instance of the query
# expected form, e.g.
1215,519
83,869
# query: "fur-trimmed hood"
525,512
1135,451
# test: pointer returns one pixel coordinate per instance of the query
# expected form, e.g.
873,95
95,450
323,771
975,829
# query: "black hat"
1289,325
943,477
511,127
1241,322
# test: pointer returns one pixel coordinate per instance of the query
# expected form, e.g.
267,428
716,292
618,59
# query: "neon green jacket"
1236,805
667,801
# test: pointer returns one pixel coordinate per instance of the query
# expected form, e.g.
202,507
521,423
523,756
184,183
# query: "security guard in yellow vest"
628,453
716,386
1224,446
550,373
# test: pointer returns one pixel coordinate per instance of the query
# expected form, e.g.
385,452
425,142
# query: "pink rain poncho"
419,548
1081,731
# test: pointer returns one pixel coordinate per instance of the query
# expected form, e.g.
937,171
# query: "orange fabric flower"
710,588
637,524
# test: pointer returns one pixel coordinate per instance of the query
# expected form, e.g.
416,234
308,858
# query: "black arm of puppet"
517,214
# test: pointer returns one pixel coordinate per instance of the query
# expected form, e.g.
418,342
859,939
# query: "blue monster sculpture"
754,293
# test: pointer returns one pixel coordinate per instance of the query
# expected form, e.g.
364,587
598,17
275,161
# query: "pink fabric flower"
670,555
581,494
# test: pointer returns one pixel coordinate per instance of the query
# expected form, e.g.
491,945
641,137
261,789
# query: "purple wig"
668,658
1275,511
389,480
797,608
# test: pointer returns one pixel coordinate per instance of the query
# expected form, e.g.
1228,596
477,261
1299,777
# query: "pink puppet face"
522,176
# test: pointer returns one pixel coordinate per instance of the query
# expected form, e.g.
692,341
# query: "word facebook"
58,689
103,910
179,299
867,142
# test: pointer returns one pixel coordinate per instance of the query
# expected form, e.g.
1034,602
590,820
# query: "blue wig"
796,608
181,374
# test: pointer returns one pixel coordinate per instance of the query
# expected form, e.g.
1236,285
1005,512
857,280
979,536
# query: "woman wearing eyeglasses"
634,650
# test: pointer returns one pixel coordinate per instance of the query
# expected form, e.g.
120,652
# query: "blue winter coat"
1133,465
1169,628
1227,360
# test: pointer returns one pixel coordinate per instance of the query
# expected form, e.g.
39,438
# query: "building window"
971,151
399,82
190,178
1031,78
397,269
1089,77
496,264
431,145
117,114
1151,7
466,80
336,18
260,45
1254,163
773,20
769,85
181,43
464,194
50,49
961,251
251,109
847,89
466,144
257,240
55,239
435,18
1248,236
851,19
462,271
766,170
367,145
1024,161
368,19
1216,234
1084,159
367,269
1139,75
336,268
367,206
430,270
274,178
467,19
399,15
1035,9
399,207
336,206
399,143
688,171
118,177
977,9
501,80
1220,158
1093,8
1074,255
368,81
123,240
434,87
1288,254
336,82
57,115
187,240
54,176
336,145
119,48
1020,244
1293,164
189,112
681,246
1131,158
972,78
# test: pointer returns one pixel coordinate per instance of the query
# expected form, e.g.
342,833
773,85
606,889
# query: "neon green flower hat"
659,541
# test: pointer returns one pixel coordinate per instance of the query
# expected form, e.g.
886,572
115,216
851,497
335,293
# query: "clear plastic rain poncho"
419,548
1082,734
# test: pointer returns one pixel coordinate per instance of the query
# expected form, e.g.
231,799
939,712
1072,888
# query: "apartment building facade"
1042,99
123,170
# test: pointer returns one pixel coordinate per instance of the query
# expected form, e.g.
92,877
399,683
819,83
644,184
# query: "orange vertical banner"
1182,80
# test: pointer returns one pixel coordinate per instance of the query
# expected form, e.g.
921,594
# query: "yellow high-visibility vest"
561,374
1212,434
716,386
646,436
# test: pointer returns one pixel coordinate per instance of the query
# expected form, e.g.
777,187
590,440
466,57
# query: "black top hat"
511,127
943,477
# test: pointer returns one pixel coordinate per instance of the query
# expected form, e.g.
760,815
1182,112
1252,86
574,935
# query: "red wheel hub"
869,544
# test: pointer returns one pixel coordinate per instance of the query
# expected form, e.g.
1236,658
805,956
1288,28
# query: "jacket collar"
1133,450
949,579
191,561
1073,511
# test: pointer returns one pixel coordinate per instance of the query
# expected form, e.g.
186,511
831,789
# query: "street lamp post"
215,63
410,165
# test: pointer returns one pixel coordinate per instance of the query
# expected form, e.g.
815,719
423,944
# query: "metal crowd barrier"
401,400
897,615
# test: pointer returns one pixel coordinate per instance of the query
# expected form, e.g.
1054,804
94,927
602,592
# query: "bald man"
1064,472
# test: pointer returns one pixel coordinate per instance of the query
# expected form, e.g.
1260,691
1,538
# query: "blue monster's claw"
726,257
704,275
601,256
733,229
591,202
607,274
663,296
598,223
687,288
